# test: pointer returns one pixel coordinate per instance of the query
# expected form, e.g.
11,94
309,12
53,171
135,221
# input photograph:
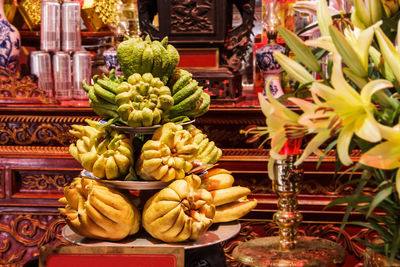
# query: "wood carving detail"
13,86
238,38
46,182
37,131
22,235
192,16
251,230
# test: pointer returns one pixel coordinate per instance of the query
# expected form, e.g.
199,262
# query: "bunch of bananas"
168,156
143,100
102,94
179,212
104,152
231,201
189,98
97,211
145,56
208,152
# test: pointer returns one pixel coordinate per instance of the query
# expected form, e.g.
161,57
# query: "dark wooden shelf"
32,38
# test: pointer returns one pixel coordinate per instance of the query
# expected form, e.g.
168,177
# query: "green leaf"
327,149
379,198
395,246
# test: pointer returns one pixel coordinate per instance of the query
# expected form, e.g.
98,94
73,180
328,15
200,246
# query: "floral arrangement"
354,105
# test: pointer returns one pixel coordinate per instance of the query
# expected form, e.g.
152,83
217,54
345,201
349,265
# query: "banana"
147,60
181,82
108,85
104,94
233,211
227,195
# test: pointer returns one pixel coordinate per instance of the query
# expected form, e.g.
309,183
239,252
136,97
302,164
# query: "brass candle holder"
288,249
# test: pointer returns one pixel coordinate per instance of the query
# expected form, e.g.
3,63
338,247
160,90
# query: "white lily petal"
390,133
265,105
323,42
383,156
293,69
364,42
291,115
373,87
271,166
313,145
368,130
339,82
323,91
305,105
344,140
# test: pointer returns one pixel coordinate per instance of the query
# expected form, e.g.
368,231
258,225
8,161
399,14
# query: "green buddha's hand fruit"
143,100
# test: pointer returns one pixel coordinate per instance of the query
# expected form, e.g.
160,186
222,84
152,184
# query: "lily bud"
302,52
324,17
389,52
294,69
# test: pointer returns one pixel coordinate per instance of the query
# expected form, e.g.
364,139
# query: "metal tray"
216,233
128,185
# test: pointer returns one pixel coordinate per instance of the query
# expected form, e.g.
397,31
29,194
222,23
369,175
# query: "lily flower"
354,51
389,52
318,120
385,155
277,116
366,13
353,109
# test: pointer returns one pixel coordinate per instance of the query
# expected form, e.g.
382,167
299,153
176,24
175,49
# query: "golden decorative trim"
45,119
33,149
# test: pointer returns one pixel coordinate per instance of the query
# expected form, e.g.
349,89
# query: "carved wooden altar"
35,165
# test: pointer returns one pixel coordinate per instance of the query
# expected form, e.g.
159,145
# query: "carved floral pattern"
22,235
13,86
37,130
43,182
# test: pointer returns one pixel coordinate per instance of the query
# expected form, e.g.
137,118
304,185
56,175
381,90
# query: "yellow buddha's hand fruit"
97,211
179,212
230,201
105,152
168,156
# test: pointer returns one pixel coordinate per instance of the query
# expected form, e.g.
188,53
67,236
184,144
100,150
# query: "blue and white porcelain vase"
264,56
10,42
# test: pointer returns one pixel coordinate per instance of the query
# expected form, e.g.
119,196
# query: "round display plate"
142,130
129,185
215,234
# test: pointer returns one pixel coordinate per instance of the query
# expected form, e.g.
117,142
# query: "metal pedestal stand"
287,249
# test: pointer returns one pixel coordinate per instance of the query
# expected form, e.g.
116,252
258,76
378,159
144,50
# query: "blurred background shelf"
89,39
